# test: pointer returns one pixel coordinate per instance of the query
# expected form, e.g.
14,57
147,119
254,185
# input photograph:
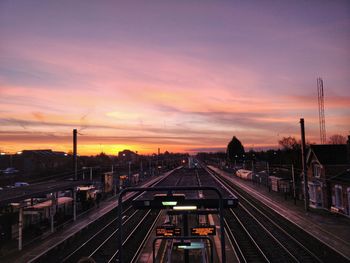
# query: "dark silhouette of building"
329,177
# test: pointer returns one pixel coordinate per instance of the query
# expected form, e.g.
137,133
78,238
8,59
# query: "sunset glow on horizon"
182,76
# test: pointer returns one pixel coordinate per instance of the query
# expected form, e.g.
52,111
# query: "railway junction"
189,215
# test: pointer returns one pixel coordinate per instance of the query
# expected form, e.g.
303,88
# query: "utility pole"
268,173
75,159
303,157
141,169
294,192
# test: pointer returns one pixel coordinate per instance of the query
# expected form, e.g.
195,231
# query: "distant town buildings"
127,155
34,161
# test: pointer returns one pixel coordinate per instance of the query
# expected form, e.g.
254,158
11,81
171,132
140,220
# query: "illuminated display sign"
166,231
190,245
169,203
203,231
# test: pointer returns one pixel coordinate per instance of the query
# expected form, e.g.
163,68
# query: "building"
340,189
35,161
43,160
127,155
327,174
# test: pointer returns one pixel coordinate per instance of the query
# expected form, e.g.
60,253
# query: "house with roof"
327,177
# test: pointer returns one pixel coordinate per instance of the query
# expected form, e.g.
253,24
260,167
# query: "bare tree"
289,143
337,139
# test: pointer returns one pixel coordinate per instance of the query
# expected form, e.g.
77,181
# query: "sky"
182,76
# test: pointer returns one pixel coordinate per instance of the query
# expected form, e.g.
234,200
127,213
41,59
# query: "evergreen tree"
234,148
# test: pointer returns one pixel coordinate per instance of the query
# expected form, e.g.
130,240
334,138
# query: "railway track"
134,228
243,243
260,234
89,246
194,177
135,239
256,233
170,181
95,241
83,243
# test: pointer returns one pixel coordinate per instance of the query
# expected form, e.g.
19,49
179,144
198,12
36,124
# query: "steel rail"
232,238
143,241
281,229
92,238
177,188
146,238
111,235
270,220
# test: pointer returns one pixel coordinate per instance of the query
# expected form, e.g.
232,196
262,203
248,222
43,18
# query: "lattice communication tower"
321,110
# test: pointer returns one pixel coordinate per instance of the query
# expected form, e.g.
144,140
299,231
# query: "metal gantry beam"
166,189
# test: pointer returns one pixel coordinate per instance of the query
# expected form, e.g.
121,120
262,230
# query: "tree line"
288,153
